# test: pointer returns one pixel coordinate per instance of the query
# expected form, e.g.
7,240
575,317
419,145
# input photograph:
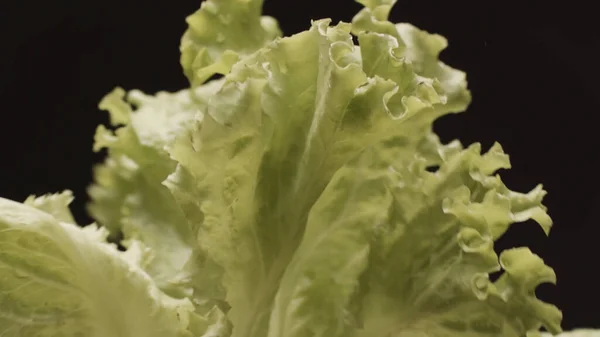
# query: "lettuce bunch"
303,193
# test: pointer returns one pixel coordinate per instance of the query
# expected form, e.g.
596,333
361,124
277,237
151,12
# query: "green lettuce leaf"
55,204
392,249
220,33
61,280
304,194
128,196
286,119
392,47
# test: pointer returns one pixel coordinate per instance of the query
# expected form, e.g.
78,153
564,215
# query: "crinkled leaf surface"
220,33
128,195
59,280
55,204
304,194
392,249
301,254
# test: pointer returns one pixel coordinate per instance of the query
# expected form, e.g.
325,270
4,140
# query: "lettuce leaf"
54,204
61,280
303,194
220,33
288,118
407,251
128,196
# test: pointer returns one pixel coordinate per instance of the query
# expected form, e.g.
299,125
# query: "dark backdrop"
533,71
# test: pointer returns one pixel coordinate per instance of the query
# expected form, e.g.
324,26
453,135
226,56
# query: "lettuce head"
303,193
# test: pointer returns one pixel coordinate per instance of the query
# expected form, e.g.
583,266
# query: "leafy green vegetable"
60,280
220,33
303,194
128,194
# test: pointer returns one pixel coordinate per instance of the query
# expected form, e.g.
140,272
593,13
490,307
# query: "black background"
533,70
